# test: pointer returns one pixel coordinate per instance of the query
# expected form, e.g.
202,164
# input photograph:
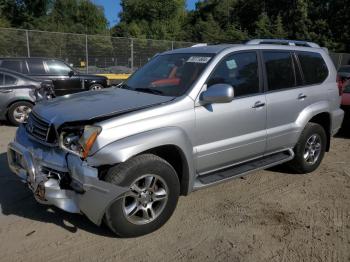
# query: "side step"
243,169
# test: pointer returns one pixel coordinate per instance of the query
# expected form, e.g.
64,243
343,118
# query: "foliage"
75,16
156,19
326,22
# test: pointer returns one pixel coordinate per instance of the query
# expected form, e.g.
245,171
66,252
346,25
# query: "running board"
243,169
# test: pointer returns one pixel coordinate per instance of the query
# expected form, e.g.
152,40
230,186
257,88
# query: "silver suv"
188,119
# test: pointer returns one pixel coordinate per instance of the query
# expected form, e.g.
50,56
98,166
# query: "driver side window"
239,70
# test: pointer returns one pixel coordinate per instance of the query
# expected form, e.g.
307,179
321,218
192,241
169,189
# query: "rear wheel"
18,112
310,149
151,200
95,87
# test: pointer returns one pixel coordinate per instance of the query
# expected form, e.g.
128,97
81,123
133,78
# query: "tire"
137,171
18,112
303,161
95,87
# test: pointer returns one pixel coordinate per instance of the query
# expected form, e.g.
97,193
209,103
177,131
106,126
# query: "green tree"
301,20
279,31
76,16
264,27
157,19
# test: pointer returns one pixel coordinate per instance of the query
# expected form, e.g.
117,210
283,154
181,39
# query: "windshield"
168,75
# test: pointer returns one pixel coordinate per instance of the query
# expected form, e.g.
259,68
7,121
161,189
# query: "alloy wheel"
312,149
21,113
146,199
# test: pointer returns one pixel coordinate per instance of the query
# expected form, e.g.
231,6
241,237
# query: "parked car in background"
19,93
64,78
343,79
345,101
190,118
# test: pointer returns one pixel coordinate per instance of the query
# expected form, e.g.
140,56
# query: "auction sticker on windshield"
198,59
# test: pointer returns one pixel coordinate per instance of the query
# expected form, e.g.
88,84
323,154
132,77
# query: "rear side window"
279,70
10,80
15,65
313,66
36,67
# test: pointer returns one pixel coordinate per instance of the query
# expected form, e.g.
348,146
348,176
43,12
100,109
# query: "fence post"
340,60
27,39
132,54
172,45
86,54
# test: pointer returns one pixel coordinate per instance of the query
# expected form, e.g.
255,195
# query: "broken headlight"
79,140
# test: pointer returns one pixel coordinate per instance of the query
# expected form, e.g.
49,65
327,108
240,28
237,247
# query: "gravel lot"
267,216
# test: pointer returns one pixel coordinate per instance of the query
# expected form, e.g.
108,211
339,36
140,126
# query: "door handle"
258,104
302,96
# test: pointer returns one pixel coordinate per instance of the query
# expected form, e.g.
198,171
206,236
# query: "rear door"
7,84
293,82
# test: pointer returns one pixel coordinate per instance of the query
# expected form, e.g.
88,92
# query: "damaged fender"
123,149
97,195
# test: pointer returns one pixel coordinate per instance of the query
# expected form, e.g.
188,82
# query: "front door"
233,132
63,82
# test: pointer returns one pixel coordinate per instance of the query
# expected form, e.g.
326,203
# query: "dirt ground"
267,216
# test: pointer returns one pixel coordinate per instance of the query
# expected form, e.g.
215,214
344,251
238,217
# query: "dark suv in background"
65,79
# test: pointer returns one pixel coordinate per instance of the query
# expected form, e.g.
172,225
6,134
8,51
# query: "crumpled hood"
92,105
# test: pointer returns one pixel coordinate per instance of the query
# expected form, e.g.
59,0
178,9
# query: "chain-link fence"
95,53
86,53
340,59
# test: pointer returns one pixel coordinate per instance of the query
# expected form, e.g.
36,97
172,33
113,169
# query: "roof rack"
282,42
199,45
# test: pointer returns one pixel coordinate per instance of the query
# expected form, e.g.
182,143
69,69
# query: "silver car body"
207,137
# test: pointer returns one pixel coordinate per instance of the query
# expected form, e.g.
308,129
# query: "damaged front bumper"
61,179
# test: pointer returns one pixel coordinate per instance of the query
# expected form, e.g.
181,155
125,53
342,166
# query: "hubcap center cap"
145,198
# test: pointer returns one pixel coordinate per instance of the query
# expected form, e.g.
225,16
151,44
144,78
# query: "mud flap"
98,194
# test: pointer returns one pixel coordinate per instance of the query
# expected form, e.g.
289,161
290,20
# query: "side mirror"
71,73
218,93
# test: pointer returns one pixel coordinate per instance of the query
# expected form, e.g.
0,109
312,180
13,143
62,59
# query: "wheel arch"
324,120
171,144
176,158
318,113
19,100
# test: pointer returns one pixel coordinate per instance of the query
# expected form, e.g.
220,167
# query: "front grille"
40,129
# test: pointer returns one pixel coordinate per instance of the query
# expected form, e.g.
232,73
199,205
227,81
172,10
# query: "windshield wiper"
149,90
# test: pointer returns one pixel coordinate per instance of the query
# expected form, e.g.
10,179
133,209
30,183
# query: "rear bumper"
44,169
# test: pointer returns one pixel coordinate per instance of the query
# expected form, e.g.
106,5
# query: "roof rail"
282,42
200,44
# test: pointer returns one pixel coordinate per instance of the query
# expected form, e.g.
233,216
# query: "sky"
112,8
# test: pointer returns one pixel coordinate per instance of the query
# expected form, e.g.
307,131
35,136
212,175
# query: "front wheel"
310,149
152,198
